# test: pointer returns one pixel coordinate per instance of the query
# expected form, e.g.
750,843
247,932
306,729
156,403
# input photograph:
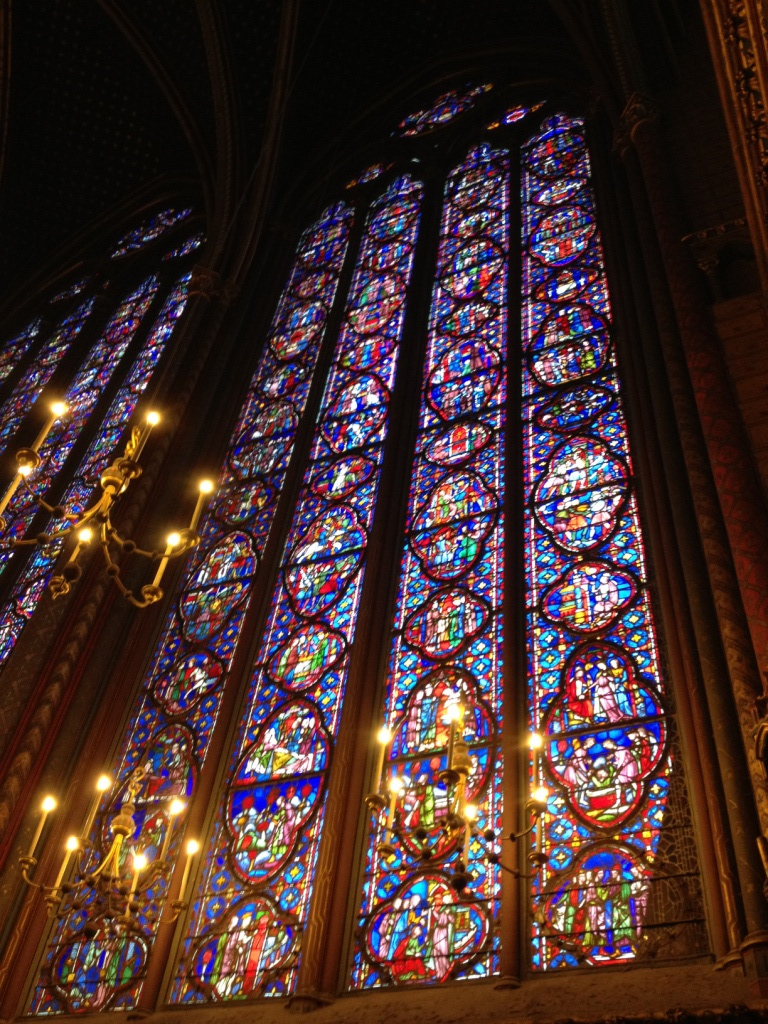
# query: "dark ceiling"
107,98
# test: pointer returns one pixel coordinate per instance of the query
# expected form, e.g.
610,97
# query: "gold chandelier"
96,521
457,825
120,885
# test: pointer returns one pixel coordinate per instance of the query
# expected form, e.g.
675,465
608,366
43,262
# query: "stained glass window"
444,109
369,174
257,883
178,709
26,390
71,291
190,245
515,114
149,230
15,348
511,275
596,693
81,397
446,647
80,491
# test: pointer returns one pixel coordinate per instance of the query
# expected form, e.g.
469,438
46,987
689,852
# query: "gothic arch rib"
228,161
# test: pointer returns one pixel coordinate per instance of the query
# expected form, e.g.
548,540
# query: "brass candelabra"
457,825
110,889
97,519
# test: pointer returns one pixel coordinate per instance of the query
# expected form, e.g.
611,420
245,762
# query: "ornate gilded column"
738,40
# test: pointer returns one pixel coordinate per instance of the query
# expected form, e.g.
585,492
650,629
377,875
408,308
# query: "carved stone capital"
209,284
640,109
709,245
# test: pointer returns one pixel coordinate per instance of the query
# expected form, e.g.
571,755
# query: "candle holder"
456,826
111,889
96,521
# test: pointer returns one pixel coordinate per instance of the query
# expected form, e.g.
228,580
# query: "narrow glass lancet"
149,230
15,348
596,693
27,590
81,398
26,390
170,727
243,938
446,649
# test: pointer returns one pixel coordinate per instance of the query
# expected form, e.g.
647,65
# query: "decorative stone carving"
640,109
209,284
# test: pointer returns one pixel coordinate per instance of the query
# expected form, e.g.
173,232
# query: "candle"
173,540
455,712
11,490
103,783
83,539
152,420
192,847
73,843
396,787
139,863
205,488
470,813
57,409
539,800
460,712
176,807
458,806
535,742
47,806
383,736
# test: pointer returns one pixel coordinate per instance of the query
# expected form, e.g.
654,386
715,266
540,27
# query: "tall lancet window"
595,689
447,645
170,732
81,358
440,376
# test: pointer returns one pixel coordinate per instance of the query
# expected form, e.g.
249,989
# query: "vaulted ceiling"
102,100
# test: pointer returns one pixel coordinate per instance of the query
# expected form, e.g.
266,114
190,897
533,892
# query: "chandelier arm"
22,542
153,555
125,591
177,908
112,567
44,504
150,595
125,544
113,854
51,538
514,836
29,864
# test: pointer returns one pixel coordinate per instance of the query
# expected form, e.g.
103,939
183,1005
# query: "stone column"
733,521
